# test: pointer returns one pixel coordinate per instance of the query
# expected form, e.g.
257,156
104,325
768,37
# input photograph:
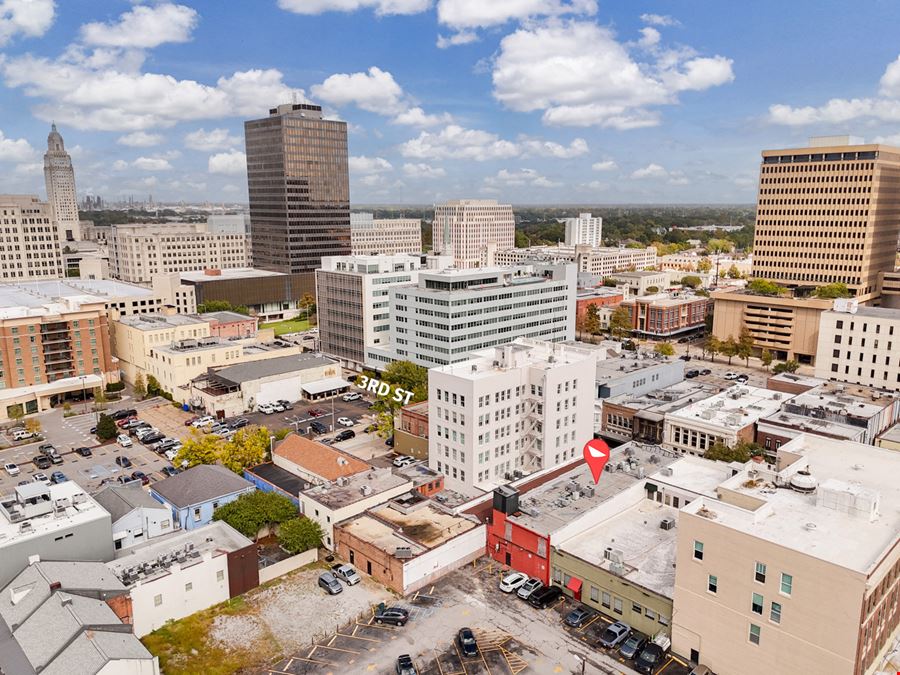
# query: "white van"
21,434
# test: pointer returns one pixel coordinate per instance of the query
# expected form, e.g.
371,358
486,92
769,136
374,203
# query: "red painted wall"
521,551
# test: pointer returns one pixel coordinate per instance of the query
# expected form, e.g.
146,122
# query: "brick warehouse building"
664,317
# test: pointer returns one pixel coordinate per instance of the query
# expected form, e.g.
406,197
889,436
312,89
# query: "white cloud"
580,75
463,37
456,142
207,141
541,148
605,165
650,37
369,165
120,165
659,20
522,177
31,18
416,117
421,170
16,150
152,164
381,7
140,139
143,27
650,171
375,91
596,185
481,14
890,80
229,163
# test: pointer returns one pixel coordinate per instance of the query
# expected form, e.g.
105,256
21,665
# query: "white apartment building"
584,230
352,301
59,177
509,411
453,313
472,230
137,253
599,262
856,344
384,236
29,239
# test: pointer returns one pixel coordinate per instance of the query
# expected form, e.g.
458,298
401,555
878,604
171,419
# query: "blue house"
194,494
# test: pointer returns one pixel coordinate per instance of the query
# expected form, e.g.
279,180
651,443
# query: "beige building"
59,177
137,253
472,230
793,567
598,262
584,230
642,282
29,240
384,236
136,336
827,214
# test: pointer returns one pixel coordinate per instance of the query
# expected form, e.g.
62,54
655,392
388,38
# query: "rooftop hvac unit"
614,555
667,524
403,552
667,471
587,491
365,490
617,568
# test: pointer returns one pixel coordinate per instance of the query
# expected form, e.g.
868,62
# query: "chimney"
55,586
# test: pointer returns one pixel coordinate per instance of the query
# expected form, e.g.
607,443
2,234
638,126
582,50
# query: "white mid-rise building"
384,236
595,261
472,230
584,230
29,239
59,177
521,407
453,313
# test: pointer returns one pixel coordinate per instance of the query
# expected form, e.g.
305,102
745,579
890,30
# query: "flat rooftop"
851,520
37,510
103,289
667,399
884,313
841,399
521,353
248,372
815,425
628,362
160,321
733,408
355,488
663,300
693,474
428,525
796,379
647,550
892,434
235,273
550,506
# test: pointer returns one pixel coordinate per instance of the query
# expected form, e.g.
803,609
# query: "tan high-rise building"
59,177
827,214
473,230
29,239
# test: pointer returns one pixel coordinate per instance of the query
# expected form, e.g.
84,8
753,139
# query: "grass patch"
288,326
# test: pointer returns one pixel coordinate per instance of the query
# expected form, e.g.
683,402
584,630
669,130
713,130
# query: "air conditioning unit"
667,524
667,471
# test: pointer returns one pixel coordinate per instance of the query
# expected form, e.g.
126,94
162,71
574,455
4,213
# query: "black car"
577,617
141,476
706,371
345,435
465,638
649,658
169,471
83,452
393,615
123,461
544,597
632,646
41,462
239,423
318,427
153,438
122,414
692,373
405,665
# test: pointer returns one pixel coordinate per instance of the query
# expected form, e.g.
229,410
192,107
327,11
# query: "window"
606,601
775,615
157,600
756,606
698,550
787,583
636,608
196,515
595,594
760,574
188,586
220,575
754,634
712,584
617,605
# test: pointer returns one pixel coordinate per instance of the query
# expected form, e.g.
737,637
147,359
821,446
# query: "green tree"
789,366
140,386
308,304
16,412
719,246
691,281
730,348
283,433
620,322
199,449
733,272
252,511
652,289
832,291
214,306
106,428
242,309
609,282
409,376
704,264
521,240
764,287
248,447
766,358
300,534
745,345
153,386
713,346
665,349
592,320
741,452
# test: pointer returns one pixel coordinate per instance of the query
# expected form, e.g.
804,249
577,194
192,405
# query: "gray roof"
90,652
202,483
225,317
120,500
247,372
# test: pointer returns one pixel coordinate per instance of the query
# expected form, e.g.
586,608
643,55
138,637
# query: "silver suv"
328,581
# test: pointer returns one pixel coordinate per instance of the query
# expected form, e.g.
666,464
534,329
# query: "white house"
136,516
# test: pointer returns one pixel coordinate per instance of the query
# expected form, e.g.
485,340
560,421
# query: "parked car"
743,379
239,423
392,615
124,413
172,453
731,376
21,434
58,477
125,420
12,469
685,357
40,478
345,422
529,587
632,646
165,444
144,432
133,423
84,452
277,407
285,405
133,431
318,427
706,371
691,373
265,408
405,665
41,462
141,476
123,461
328,581
204,421
169,471
615,634
683,340
24,482
403,460
345,435
47,449
512,582
346,573
150,439
56,458
390,442
190,420
219,428
465,638
577,617
649,658
315,412
123,440
353,396
542,598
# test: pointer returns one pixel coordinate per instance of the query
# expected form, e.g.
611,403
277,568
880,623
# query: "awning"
574,585
322,386
650,487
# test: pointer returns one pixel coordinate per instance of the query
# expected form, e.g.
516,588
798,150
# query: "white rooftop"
734,408
520,353
37,298
693,474
30,512
852,519
233,273
841,399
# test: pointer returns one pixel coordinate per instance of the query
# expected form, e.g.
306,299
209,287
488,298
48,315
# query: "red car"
123,422
315,412
190,420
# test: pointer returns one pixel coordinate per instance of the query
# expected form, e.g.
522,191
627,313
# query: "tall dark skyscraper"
299,184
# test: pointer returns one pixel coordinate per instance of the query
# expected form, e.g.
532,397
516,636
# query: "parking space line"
376,625
337,649
684,663
668,663
582,629
481,656
358,637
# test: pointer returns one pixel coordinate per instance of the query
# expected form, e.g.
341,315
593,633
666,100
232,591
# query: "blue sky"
528,101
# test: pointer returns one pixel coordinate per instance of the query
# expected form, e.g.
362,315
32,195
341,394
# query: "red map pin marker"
596,454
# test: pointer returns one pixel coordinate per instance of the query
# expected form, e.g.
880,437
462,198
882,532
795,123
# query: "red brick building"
667,317
598,297
411,434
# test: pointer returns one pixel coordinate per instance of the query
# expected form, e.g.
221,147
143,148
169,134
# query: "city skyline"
532,102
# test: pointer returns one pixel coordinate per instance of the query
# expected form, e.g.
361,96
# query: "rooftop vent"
803,482
667,524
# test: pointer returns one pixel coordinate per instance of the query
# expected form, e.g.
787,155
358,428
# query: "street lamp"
83,394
